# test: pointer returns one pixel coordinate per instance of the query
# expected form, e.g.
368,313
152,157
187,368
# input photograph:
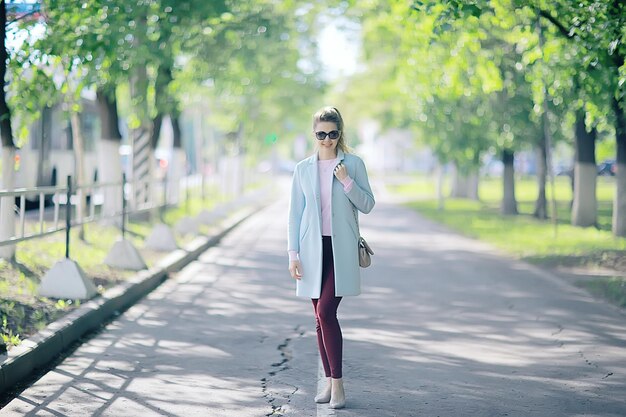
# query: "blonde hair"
331,114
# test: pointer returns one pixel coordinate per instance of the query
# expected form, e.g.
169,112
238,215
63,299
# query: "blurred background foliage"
472,80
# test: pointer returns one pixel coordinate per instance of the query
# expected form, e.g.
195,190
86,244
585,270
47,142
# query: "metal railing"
61,208
72,198
22,194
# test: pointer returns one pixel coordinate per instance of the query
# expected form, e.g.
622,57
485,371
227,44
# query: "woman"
327,190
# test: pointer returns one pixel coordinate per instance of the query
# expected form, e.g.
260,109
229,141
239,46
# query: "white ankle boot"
324,396
337,394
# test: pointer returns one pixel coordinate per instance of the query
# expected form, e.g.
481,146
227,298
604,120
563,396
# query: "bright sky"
339,48
339,45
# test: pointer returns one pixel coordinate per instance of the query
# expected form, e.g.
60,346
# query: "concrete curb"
42,348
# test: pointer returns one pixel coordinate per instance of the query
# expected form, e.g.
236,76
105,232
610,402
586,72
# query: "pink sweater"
325,169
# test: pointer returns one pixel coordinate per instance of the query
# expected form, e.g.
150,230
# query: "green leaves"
254,62
259,66
471,75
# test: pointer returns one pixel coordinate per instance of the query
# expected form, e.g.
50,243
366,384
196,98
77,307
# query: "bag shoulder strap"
356,219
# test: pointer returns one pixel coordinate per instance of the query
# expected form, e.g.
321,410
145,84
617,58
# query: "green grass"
192,204
22,311
522,235
528,238
613,289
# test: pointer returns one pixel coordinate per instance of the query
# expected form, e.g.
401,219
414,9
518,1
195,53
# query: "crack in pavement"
561,344
273,397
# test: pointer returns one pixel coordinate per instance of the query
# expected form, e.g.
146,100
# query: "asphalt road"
445,326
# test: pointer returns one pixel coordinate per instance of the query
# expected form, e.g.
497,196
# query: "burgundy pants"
329,337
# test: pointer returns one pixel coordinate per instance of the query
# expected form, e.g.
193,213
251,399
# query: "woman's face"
326,127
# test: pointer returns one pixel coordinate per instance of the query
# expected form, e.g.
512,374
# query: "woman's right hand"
295,269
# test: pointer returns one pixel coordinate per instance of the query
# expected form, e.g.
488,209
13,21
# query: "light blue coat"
305,225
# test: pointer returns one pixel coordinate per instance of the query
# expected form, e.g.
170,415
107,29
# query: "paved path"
445,327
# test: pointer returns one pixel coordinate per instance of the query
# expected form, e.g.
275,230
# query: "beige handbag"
365,251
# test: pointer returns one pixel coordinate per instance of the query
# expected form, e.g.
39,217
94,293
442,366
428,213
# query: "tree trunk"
6,130
240,178
585,207
7,218
79,155
509,203
473,179
472,185
165,105
460,184
541,210
109,164
7,204
619,202
441,175
107,109
178,137
157,123
141,136
178,163
162,100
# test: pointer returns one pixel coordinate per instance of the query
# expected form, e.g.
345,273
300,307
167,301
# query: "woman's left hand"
341,172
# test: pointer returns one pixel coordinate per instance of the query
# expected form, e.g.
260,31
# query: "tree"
586,80
259,81
596,28
81,47
462,68
7,220
160,51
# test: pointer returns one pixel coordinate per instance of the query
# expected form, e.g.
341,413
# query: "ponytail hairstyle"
331,114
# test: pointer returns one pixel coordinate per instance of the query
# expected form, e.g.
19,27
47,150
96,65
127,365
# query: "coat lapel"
314,178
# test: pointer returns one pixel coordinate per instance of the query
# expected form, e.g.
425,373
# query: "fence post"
187,196
123,206
123,254
204,217
203,185
164,203
66,279
161,238
68,216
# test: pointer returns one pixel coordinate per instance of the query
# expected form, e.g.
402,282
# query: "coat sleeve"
296,208
361,193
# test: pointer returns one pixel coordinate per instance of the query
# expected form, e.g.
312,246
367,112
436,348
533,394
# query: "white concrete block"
187,226
161,239
124,255
67,280
220,211
206,217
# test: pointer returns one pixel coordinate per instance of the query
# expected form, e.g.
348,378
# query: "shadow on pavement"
445,327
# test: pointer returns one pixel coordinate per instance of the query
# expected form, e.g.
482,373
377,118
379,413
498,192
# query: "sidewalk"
445,327
39,350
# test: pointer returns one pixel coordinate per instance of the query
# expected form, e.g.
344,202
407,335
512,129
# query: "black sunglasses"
321,135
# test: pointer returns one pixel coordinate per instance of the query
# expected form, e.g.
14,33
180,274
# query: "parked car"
564,170
607,167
